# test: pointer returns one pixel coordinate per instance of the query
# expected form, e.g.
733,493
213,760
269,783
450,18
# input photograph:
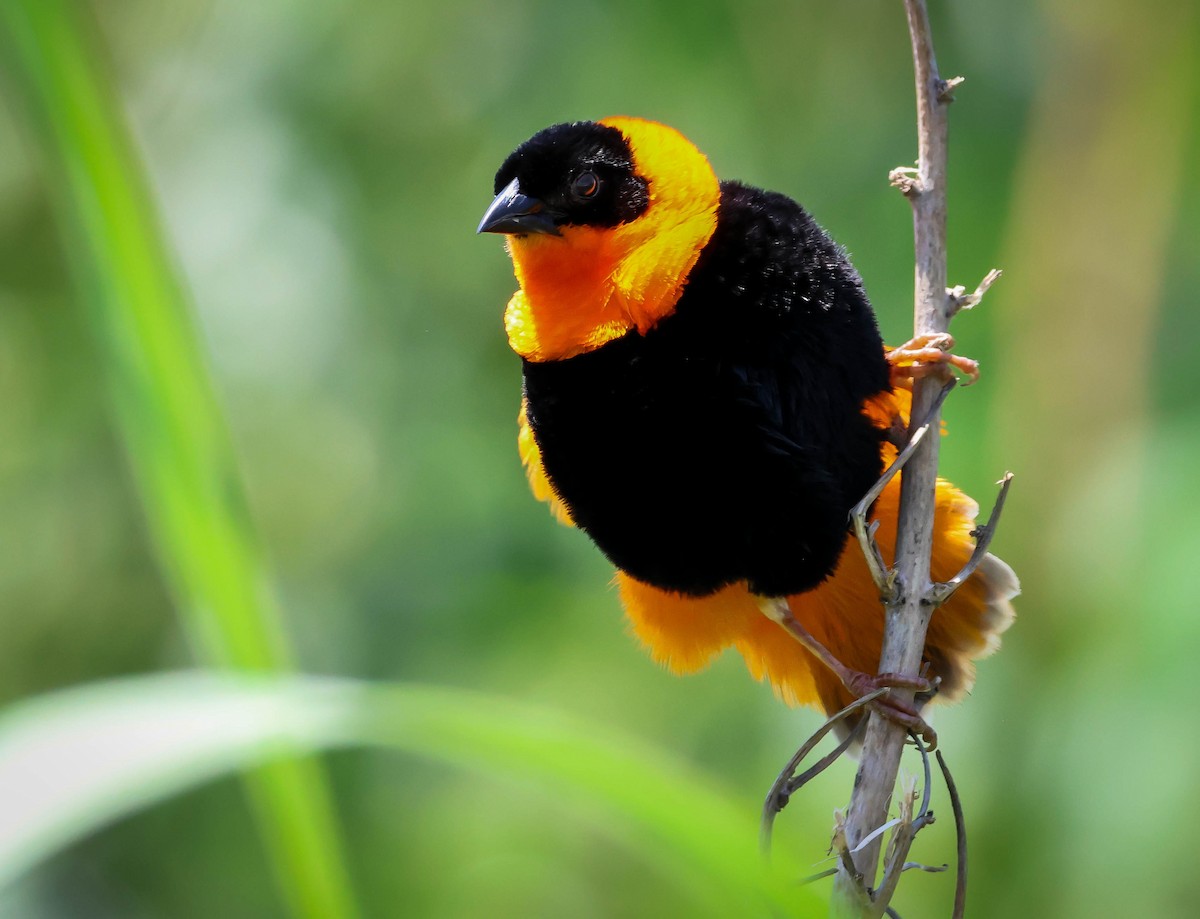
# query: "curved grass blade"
116,747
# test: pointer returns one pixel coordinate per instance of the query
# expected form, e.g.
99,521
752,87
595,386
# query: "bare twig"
928,788
844,855
785,786
794,785
860,896
960,833
906,832
961,300
928,869
983,539
884,576
905,178
819,876
946,88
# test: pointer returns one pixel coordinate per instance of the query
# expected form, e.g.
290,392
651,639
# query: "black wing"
728,443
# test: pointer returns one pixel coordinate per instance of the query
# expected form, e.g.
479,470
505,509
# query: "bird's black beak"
513,212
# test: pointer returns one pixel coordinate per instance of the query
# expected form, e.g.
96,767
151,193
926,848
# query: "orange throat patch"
592,285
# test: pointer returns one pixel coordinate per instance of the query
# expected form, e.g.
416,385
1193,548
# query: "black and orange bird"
706,395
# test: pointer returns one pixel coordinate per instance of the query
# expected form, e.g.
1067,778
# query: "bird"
706,395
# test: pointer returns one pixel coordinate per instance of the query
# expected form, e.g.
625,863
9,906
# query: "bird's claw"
897,710
926,355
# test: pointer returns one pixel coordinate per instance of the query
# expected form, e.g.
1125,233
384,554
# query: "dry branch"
907,589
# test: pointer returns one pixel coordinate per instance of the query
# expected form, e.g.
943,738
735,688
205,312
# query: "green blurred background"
320,170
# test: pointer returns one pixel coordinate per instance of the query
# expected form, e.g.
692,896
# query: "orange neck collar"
591,285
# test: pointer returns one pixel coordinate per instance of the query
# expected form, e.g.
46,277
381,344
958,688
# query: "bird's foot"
927,355
903,713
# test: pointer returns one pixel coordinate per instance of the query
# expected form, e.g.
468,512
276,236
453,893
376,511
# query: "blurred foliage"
320,170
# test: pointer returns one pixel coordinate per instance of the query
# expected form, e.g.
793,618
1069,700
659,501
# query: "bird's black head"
579,174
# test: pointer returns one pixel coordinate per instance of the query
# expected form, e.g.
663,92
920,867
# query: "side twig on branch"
885,577
788,783
960,834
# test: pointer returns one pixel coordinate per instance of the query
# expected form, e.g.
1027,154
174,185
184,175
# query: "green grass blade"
119,746
172,427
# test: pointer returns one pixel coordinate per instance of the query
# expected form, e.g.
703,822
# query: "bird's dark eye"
585,185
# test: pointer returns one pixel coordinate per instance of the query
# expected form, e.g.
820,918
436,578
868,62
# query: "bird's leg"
925,355
858,683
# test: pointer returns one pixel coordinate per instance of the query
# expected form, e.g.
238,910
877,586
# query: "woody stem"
909,609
